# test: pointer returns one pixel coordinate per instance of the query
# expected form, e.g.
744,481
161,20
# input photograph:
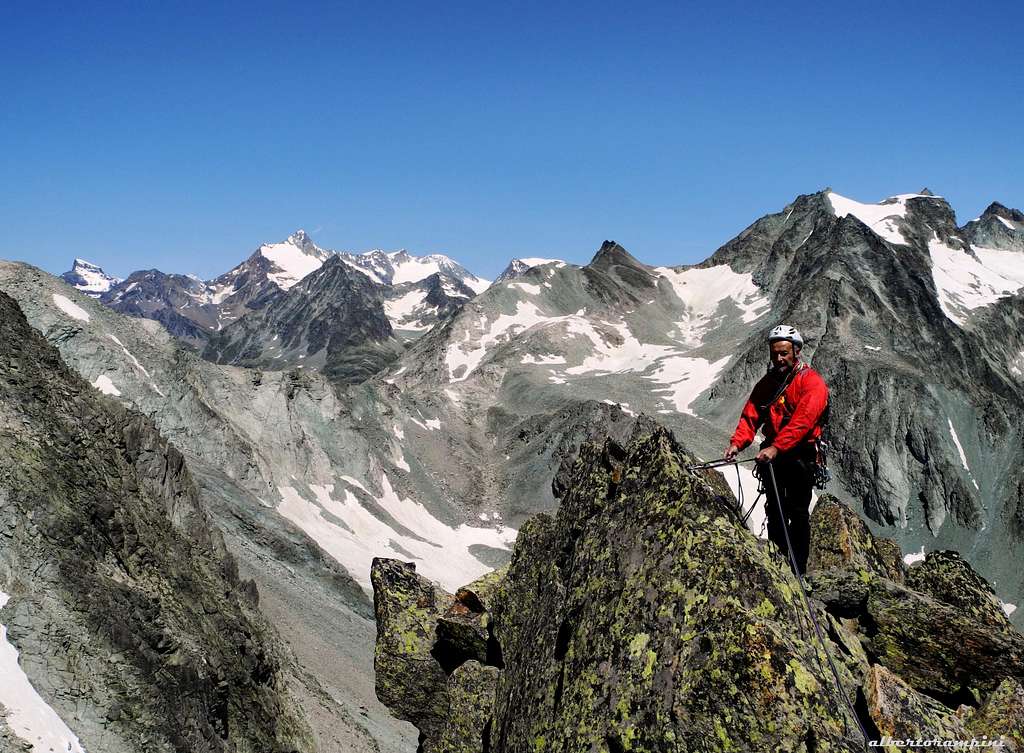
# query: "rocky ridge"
127,611
643,616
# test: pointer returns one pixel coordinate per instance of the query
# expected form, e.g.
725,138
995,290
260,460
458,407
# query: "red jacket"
793,419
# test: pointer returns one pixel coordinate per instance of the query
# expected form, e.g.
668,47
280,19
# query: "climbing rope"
810,609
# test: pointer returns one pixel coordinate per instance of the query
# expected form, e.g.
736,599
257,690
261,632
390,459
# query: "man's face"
783,355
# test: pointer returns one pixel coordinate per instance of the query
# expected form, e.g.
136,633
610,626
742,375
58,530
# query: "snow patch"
134,360
872,347
1008,223
404,312
526,287
702,292
70,308
28,716
965,282
1008,609
441,552
879,217
960,449
548,359
910,559
686,378
104,385
291,261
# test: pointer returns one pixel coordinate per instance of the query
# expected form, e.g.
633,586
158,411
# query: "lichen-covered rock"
1001,716
467,729
409,679
891,557
844,591
901,712
937,648
948,577
643,616
839,538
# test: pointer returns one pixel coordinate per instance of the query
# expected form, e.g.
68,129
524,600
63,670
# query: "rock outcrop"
128,614
643,616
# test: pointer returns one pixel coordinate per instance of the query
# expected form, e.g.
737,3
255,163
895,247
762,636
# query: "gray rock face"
998,227
128,613
240,432
178,302
333,319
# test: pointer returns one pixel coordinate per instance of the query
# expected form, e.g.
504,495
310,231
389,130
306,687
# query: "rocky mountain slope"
127,613
644,616
332,320
179,302
452,447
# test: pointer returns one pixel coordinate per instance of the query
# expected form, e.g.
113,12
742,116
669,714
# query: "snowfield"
29,717
354,531
879,217
966,282
70,308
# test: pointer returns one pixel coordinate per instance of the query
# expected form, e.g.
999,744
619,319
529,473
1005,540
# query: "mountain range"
335,407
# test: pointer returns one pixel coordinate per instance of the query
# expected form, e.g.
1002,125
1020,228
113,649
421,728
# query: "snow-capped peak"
89,278
398,267
880,217
519,266
293,259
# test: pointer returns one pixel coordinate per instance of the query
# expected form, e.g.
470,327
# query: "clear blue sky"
181,137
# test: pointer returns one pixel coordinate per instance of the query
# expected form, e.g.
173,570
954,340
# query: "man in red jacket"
788,405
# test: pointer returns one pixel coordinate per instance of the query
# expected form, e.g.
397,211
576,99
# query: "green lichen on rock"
949,578
471,709
901,712
936,647
1002,716
643,616
409,679
840,539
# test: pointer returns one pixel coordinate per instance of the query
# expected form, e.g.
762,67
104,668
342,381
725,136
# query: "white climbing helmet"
785,332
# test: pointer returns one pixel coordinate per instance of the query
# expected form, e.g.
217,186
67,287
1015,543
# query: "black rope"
810,609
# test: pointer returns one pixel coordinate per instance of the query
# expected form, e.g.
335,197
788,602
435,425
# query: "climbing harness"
810,609
822,447
820,473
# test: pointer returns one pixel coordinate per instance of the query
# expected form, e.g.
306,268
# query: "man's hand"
767,455
732,452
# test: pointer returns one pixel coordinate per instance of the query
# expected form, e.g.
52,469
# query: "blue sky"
180,138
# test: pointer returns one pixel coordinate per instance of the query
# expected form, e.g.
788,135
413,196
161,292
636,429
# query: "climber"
788,404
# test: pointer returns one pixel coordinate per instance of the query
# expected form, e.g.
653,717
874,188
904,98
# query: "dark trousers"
794,475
